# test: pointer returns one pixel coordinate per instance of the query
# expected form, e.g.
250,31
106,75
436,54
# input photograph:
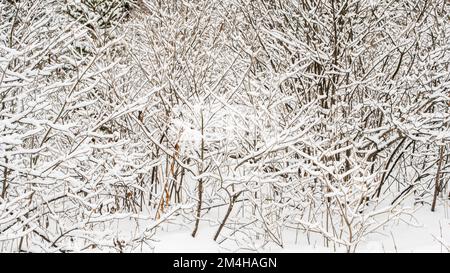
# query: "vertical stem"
5,178
200,181
227,214
438,177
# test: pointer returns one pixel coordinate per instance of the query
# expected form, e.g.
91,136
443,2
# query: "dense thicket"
330,118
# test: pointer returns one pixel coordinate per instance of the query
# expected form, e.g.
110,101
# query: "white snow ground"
425,231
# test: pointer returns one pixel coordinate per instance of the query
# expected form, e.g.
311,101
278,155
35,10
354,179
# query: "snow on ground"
425,231
422,232
182,241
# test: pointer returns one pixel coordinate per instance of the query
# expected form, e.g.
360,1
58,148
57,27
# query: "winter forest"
224,125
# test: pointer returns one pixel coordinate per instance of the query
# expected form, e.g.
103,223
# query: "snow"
276,128
425,231
182,241
420,232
